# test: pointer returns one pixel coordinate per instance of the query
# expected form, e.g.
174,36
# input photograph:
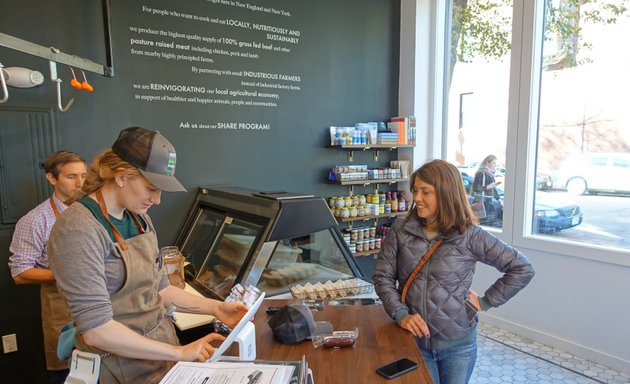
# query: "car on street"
594,173
551,214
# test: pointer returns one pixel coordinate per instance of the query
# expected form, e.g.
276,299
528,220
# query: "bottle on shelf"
394,202
402,202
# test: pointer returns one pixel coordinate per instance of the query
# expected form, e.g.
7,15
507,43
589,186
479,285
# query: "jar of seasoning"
353,211
345,213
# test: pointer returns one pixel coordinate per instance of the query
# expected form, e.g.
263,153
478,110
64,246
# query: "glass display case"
271,240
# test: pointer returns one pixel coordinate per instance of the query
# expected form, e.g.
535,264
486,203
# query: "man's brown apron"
55,314
138,306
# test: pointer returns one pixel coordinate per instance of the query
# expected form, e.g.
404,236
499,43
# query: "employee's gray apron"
55,314
138,306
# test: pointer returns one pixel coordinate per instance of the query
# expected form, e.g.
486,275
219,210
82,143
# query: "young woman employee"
104,253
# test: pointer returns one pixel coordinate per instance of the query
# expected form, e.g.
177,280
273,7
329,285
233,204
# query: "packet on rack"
340,288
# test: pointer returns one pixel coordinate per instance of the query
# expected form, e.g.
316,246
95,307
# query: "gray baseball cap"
294,323
152,154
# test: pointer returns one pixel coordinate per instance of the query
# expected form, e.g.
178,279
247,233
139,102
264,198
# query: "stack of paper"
228,372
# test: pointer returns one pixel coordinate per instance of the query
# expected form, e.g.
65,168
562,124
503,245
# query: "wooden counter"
380,342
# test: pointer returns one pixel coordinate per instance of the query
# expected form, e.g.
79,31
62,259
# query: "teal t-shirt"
126,226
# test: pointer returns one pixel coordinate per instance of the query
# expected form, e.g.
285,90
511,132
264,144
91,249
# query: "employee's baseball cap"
152,154
294,323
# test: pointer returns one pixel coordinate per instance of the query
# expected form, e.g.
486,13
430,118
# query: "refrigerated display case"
273,240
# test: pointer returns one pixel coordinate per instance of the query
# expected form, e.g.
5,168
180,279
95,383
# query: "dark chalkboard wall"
324,62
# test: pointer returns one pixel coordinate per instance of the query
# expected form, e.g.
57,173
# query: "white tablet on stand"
244,333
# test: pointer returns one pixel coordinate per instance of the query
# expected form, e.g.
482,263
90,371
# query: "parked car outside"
551,214
595,172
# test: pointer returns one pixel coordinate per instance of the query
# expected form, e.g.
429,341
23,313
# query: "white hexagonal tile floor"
504,357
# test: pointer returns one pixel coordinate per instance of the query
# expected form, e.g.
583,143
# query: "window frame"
522,129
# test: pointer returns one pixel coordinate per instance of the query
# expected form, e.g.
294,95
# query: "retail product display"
289,274
359,206
380,204
237,235
362,172
365,239
340,288
360,134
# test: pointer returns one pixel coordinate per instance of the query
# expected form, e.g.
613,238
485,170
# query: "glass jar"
174,263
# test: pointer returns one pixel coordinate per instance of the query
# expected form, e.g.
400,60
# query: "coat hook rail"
53,77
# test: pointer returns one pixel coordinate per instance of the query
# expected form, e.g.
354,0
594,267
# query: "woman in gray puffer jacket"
434,308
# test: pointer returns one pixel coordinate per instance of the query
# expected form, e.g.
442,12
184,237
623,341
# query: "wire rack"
340,288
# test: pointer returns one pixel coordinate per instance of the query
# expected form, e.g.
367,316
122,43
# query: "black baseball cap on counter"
152,154
294,323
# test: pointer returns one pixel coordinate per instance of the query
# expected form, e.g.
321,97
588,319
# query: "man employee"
66,172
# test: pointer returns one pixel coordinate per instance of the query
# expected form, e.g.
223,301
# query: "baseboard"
582,351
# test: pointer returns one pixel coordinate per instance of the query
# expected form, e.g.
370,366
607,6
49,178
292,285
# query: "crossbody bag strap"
418,267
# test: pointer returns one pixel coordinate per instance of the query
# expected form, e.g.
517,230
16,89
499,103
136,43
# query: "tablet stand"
246,340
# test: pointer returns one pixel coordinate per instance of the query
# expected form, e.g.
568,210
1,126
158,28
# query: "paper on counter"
227,373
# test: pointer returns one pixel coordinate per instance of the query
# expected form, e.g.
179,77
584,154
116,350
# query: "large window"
577,178
476,89
583,135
